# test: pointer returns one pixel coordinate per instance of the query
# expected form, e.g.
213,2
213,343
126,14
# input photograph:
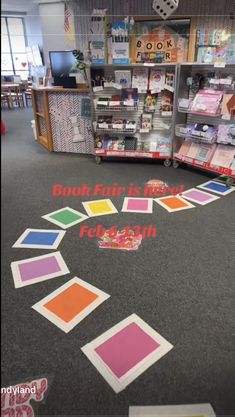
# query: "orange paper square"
69,303
174,203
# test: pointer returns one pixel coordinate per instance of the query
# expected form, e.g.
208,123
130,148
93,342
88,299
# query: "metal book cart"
213,74
161,125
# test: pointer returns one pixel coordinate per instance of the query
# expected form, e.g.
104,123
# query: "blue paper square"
40,238
215,186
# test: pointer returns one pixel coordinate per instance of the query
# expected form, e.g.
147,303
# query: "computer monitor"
61,63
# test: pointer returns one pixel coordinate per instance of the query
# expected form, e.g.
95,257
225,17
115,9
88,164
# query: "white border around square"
186,410
118,384
60,235
194,200
189,205
53,318
64,226
17,276
203,187
149,208
90,212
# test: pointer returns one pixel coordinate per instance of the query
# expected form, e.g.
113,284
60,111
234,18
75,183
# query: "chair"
28,92
5,100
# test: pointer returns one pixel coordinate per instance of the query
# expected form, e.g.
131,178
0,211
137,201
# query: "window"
13,42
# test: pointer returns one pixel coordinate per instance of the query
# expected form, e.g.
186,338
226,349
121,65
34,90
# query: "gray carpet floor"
180,283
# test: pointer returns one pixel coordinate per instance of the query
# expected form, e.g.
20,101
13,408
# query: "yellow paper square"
100,207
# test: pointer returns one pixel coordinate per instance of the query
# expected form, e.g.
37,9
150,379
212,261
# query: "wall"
52,23
30,12
203,13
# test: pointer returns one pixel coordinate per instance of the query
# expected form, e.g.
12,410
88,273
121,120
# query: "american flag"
67,16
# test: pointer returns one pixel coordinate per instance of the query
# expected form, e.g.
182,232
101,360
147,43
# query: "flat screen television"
61,63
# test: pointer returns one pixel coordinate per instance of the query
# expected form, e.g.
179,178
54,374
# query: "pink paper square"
38,268
135,204
198,195
126,349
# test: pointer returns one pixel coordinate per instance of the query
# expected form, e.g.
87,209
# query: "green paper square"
66,217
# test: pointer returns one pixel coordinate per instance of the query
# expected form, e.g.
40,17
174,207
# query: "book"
226,134
205,152
118,124
140,79
228,104
204,132
97,77
130,143
99,141
104,122
164,145
207,102
103,102
129,97
193,150
223,156
146,122
166,103
156,80
115,102
184,104
130,125
183,151
150,102
123,77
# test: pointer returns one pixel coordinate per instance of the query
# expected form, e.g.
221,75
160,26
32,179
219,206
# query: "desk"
62,119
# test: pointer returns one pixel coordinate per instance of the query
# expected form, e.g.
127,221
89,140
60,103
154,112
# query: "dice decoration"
165,7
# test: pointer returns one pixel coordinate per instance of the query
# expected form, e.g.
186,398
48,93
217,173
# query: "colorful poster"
120,43
157,43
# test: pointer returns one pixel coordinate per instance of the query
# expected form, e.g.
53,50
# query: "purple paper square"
38,268
126,349
135,204
198,195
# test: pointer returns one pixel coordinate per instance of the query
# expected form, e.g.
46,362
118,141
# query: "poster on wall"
157,42
217,46
98,36
120,43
